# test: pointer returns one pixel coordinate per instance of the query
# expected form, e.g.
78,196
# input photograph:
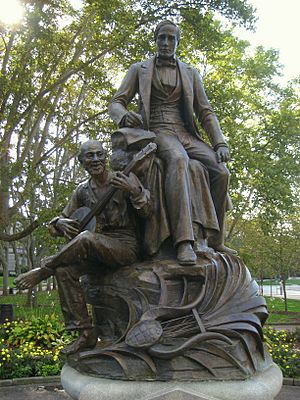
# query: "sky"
278,26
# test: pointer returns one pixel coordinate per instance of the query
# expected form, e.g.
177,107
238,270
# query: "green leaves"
60,69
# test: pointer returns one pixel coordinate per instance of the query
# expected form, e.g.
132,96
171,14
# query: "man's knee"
175,159
85,238
62,273
223,172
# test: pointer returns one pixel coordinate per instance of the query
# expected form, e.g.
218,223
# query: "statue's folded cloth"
157,228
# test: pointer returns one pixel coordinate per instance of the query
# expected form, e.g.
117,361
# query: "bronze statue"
113,244
156,229
171,93
190,319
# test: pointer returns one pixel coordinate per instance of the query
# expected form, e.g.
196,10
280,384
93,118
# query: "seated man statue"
156,232
170,94
113,244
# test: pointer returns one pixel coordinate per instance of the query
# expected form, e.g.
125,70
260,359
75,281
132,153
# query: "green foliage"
269,250
43,369
283,349
10,281
28,361
42,332
58,70
48,301
32,348
57,80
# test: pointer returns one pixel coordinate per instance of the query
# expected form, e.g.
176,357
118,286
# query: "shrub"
46,332
283,349
28,360
32,348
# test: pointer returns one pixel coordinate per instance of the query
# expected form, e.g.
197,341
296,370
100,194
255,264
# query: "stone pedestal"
262,386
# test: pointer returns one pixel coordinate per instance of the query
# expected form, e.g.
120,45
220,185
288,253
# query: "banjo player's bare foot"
32,278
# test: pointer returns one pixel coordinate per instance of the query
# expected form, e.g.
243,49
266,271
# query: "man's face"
93,159
167,41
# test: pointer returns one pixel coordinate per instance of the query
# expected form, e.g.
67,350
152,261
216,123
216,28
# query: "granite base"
262,386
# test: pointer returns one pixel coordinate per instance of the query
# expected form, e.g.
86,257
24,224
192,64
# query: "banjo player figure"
113,244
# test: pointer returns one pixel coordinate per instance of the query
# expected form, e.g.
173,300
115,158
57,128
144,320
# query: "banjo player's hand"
69,227
125,183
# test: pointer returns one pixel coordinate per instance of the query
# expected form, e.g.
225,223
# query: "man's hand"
69,227
133,120
223,154
125,183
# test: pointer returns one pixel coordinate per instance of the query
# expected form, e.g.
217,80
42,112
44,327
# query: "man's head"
167,36
92,156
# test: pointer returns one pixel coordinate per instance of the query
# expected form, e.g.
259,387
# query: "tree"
56,83
272,252
56,80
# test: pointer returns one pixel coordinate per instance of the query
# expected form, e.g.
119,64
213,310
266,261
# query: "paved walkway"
292,291
50,391
289,393
54,391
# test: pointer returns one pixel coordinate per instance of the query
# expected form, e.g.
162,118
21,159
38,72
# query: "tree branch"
5,237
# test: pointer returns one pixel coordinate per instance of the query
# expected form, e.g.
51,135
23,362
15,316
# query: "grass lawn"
10,281
283,319
48,303
291,281
276,305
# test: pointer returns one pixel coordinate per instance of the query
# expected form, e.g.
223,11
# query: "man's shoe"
221,248
186,254
201,248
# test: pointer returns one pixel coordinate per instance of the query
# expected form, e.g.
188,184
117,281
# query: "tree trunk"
49,284
283,281
262,283
4,206
17,258
4,263
31,297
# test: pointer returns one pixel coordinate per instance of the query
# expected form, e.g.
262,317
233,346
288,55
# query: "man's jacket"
139,79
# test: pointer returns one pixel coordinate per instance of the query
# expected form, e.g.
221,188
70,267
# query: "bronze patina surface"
170,301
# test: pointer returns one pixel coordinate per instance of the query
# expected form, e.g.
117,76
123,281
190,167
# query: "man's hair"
84,146
164,23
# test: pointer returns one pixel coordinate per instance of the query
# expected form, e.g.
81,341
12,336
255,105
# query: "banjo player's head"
92,157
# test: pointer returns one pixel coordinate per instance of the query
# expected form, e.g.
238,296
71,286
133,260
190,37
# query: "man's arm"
118,106
208,120
64,225
138,195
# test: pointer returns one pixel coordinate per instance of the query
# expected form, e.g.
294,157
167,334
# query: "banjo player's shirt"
118,215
